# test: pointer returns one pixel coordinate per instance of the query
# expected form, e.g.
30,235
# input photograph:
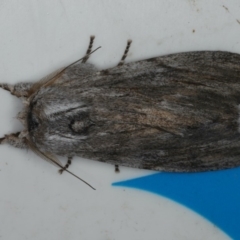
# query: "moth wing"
174,113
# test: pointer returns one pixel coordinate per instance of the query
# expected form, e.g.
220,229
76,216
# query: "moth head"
27,118
32,122
22,116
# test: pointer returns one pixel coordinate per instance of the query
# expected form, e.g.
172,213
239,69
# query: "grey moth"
175,113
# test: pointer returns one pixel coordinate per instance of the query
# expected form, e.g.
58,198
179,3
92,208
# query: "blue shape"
214,195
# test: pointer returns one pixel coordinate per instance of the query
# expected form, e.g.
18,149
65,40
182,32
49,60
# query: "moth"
175,113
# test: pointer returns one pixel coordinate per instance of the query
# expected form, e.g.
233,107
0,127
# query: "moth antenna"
54,78
80,179
79,60
125,53
64,169
44,156
94,50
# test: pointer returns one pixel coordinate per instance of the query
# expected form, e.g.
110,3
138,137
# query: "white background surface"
38,37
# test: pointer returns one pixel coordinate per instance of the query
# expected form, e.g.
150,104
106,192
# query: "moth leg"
14,140
125,53
18,90
86,57
69,161
117,169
